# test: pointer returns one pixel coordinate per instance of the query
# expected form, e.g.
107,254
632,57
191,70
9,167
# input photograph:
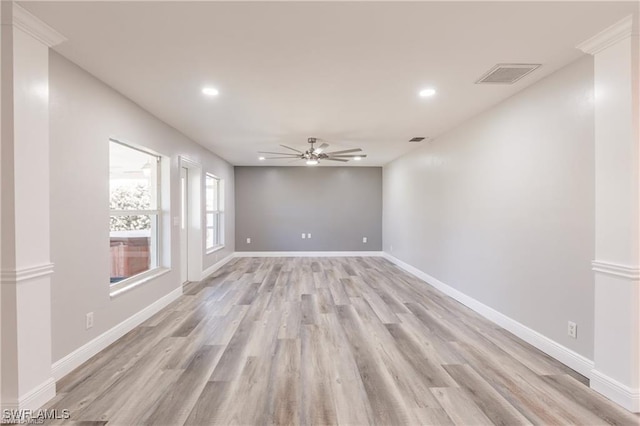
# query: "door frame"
194,218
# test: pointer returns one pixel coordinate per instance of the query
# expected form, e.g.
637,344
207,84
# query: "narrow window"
134,189
214,212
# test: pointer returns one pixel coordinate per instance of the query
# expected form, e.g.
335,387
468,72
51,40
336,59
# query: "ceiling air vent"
507,73
417,139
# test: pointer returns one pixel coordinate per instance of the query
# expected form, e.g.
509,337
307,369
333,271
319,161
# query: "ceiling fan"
313,155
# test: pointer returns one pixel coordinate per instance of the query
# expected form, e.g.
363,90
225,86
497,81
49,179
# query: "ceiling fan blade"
344,151
279,158
349,156
336,159
322,147
279,153
293,149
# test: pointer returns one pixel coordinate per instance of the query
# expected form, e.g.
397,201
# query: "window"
134,180
214,212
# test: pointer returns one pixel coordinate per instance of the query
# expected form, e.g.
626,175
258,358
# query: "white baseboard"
552,348
308,254
38,396
34,399
621,394
76,358
211,269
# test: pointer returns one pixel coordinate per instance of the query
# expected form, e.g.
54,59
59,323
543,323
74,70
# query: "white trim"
195,220
35,398
134,213
215,249
616,270
188,163
217,213
130,283
308,254
617,392
26,274
211,269
608,37
37,29
552,348
64,366
39,395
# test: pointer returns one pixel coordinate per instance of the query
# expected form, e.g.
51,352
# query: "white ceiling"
348,73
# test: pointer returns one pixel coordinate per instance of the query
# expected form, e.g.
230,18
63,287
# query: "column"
25,324
616,372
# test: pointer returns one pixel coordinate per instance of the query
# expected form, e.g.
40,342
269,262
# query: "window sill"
137,280
215,249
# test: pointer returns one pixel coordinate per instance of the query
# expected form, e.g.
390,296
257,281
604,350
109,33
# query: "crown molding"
37,29
615,270
608,37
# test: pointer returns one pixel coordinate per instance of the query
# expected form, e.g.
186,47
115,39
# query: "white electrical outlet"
89,320
308,235
390,248
364,240
248,240
304,235
572,330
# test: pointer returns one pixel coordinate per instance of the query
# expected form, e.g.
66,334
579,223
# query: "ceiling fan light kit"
313,155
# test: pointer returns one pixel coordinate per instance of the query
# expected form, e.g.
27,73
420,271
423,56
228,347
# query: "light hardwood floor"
325,341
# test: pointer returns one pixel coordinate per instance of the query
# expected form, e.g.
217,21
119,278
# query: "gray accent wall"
338,206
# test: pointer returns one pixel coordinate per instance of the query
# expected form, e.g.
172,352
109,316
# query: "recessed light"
261,158
425,93
312,162
358,158
210,91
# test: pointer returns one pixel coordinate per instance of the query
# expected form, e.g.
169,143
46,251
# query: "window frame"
218,213
155,243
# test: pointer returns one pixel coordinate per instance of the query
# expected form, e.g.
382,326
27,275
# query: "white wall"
502,207
85,113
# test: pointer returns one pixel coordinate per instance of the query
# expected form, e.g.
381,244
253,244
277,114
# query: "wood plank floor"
325,341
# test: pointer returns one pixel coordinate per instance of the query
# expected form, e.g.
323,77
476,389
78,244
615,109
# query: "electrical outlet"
89,320
308,235
248,240
364,240
304,235
391,248
572,330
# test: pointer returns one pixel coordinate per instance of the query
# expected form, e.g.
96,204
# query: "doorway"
184,218
190,221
